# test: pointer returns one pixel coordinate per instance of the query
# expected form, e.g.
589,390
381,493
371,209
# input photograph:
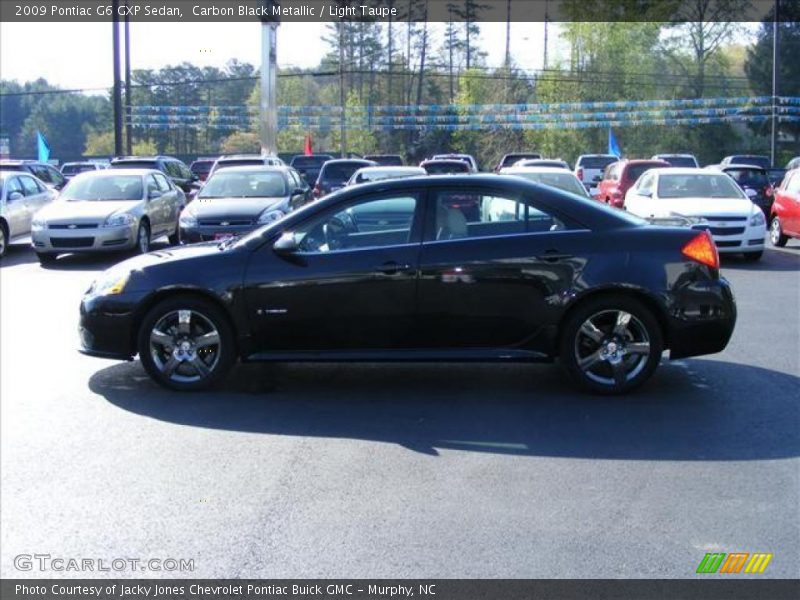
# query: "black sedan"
236,200
396,271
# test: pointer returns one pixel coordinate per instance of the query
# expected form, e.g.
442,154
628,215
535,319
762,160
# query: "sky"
78,55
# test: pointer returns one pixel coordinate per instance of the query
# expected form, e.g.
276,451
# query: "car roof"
251,156
257,169
676,154
684,171
361,161
384,168
536,169
741,166
117,172
598,156
137,158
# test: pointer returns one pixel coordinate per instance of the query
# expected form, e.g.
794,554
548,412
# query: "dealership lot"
412,470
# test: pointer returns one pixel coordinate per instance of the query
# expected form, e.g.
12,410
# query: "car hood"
94,210
226,207
697,207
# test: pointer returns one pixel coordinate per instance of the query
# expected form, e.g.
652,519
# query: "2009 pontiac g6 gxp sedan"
454,268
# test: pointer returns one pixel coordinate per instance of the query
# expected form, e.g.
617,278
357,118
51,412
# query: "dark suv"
334,174
174,169
309,165
47,173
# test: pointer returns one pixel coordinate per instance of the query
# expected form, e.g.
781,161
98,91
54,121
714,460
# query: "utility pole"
546,26
128,128
775,72
117,82
342,95
268,108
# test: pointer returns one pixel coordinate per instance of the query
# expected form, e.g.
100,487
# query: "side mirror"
15,196
153,194
286,244
299,192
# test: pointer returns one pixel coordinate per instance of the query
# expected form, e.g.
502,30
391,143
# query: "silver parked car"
21,195
114,209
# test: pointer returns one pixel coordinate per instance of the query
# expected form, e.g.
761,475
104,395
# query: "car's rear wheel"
776,233
611,345
186,343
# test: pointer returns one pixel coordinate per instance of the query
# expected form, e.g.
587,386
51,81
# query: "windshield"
751,159
134,164
563,181
680,161
510,159
697,186
339,172
250,184
596,162
445,168
749,177
105,187
74,169
635,171
309,161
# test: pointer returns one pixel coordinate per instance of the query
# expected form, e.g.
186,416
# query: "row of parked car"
135,200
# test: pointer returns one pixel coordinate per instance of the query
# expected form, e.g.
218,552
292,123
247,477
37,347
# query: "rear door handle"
393,268
553,256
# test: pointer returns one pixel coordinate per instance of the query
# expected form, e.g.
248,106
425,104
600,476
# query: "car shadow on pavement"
18,254
691,410
93,262
773,260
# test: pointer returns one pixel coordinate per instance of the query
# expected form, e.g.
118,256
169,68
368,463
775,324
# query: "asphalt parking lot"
399,471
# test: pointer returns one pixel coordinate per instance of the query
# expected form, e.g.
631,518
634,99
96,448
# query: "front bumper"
701,319
735,237
100,239
193,235
107,327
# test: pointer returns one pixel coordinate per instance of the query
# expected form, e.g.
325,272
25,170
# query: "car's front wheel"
186,343
776,233
3,241
143,238
611,345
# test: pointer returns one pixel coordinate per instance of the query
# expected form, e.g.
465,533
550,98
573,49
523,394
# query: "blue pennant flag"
613,146
43,147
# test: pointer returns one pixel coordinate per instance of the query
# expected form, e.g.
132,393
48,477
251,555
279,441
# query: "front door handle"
393,268
553,256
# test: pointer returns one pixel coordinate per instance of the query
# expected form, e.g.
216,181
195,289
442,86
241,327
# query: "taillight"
580,173
702,249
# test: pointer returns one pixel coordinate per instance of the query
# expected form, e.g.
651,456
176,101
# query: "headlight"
188,219
38,224
110,282
119,220
757,218
270,216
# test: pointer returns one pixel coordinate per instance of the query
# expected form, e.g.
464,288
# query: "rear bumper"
702,319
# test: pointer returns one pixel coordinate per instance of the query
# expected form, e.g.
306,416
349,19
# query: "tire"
46,258
753,256
142,238
175,238
3,240
597,345
169,348
776,235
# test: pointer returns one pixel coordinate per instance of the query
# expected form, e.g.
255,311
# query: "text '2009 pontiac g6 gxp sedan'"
454,268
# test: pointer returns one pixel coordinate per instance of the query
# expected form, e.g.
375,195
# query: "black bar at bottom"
719,587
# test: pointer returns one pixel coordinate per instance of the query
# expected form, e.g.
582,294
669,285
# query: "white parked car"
737,225
370,174
556,177
21,195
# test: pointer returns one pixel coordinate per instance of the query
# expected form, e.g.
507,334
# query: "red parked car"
784,219
620,176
